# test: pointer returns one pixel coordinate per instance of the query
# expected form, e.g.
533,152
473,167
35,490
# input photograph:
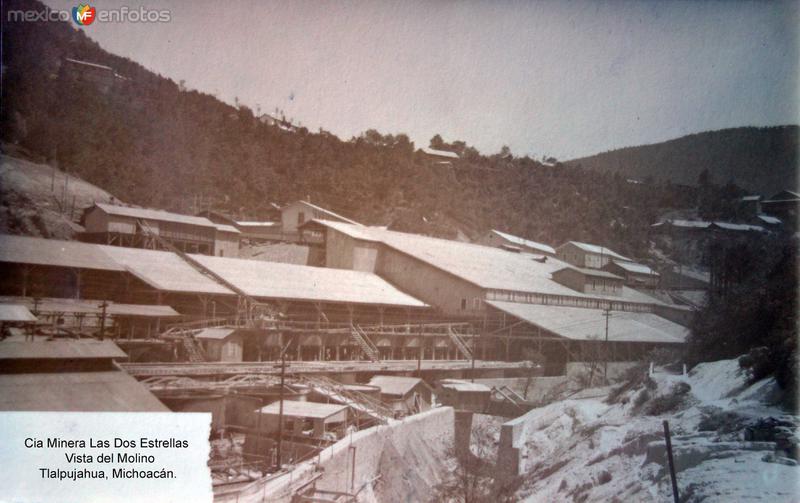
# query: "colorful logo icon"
83,14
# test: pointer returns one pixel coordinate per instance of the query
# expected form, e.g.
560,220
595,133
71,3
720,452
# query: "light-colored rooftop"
325,211
395,385
110,391
485,266
215,333
59,349
254,223
466,386
585,324
314,410
526,242
151,214
163,270
39,251
597,273
440,153
770,219
597,249
693,224
87,306
636,268
728,226
15,312
300,282
227,228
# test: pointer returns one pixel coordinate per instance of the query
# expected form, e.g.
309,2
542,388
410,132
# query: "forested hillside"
761,160
153,142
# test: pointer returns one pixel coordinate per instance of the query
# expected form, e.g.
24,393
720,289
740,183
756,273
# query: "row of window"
476,303
561,300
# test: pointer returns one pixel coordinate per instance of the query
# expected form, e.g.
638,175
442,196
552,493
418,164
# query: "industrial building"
493,288
587,255
515,243
404,395
69,375
136,227
635,275
297,213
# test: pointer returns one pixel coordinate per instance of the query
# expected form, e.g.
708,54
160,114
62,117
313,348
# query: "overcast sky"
559,78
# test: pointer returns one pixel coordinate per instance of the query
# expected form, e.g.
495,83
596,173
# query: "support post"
103,308
280,408
607,314
675,494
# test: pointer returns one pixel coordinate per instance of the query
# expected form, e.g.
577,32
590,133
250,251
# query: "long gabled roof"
635,268
86,306
440,153
526,242
596,249
39,251
150,214
395,385
325,212
109,391
293,408
587,324
597,273
306,283
163,270
484,266
60,350
166,271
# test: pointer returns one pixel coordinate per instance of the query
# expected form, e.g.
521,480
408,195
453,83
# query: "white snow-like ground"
585,450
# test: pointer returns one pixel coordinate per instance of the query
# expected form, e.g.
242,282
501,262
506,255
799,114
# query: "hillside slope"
762,160
728,442
40,200
153,142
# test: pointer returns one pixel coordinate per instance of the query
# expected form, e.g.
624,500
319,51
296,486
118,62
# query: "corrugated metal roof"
484,266
598,273
256,224
299,282
215,333
293,408
112,391
59,349
163,270
636,268
227,228
692,224
440,153
15,312
526,242
149,311
150,214
395,385
327,212
584,324
459,385
38,251
600,250
728,226
769,219
53,305
355,231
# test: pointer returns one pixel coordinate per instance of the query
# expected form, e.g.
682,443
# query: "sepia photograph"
374,251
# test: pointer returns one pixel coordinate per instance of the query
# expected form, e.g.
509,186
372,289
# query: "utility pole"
419,352
607,314
280,405
103,307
